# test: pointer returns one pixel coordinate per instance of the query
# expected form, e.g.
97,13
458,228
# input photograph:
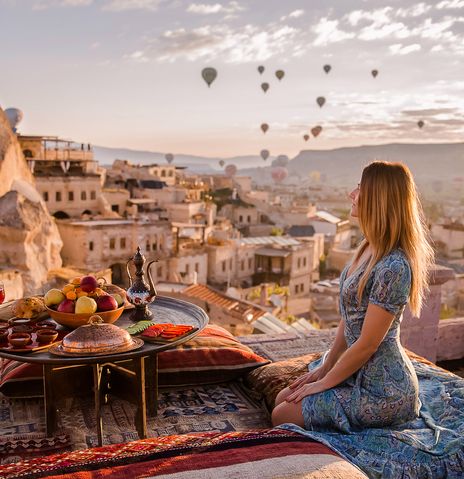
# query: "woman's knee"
288,412
282,396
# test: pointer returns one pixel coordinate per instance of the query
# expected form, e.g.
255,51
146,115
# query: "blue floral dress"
375,418
385,391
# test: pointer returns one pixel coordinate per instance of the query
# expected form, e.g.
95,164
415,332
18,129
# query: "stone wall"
421,334
450,339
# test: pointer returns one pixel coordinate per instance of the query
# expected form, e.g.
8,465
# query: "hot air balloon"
230,170
320,101
279,173
265,87
374,73
316,130
14,117
327,68
420,123
221,163
279,74
260,69
281,160
209,75
264,154
306,137
169,157
264,127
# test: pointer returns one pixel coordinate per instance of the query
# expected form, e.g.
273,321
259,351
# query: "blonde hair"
391,216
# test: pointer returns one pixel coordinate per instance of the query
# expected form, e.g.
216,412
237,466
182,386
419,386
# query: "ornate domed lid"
96,337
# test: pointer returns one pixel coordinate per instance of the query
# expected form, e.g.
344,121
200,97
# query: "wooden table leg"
151,379
97,376
49,399
141,414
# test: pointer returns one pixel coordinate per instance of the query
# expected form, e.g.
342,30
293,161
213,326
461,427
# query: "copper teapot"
139,293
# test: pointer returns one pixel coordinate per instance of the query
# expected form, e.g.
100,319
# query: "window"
93,195
242,264
297,288
58,196
187,269
83,196
302,287
45,195
70,195
249,219
240,219
171,173
223,265
154,246
90,245
122,243
115,208
250,263
230,263
147,246
197,267
298,263
163,173
112,243
304,261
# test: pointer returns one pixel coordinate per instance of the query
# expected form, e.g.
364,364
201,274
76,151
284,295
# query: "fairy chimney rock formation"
29,237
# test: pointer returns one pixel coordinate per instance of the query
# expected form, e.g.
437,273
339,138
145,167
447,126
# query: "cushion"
268,381
213,356
271,379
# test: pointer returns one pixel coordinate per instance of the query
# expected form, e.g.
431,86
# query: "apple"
106,303
53,297
119,299
66,306
85,305
89,283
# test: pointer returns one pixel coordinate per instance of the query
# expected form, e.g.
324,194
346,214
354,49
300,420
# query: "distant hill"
197,164
428,162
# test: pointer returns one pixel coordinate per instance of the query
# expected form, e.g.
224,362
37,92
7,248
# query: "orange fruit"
81,293
76,281
71,295
68,288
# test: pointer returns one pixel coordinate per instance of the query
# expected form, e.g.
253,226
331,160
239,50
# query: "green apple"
54,297
119,299
85,305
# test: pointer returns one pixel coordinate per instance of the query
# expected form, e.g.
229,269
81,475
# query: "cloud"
44,4
295,14
399,49
327,32
241,45
414,10
450,5
137,56
429,112
123,5
208,9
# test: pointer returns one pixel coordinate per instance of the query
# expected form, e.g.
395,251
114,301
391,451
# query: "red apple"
106,303
89,283
66,306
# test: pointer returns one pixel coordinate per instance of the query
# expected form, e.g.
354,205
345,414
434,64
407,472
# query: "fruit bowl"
73,320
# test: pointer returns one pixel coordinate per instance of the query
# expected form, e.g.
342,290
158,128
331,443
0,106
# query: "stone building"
97,244
66,175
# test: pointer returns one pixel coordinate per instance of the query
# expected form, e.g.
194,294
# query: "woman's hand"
309,377
306,390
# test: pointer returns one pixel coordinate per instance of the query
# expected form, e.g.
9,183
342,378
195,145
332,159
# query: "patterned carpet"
216,408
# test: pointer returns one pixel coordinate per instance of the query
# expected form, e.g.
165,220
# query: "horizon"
128,72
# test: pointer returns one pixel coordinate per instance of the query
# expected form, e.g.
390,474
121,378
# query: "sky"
127,73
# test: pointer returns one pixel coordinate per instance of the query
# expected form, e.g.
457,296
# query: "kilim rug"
215,408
